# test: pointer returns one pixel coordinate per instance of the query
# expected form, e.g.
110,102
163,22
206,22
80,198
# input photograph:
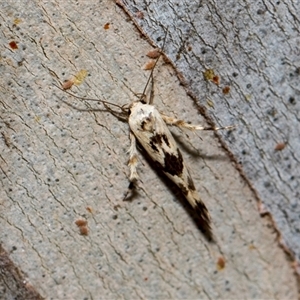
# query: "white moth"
149,127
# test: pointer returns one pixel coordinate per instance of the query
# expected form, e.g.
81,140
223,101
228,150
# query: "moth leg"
133,159
182,124
151,98
132,163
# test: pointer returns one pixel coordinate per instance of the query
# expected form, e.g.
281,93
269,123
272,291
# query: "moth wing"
155,137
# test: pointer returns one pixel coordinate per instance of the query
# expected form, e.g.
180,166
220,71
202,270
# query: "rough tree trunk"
254,49
59,165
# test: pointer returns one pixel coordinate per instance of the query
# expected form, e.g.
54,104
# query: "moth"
149,127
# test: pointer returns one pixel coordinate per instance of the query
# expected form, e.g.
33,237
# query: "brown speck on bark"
280,146
149,65
81,222
153,53
67,84
226,89
221,263
13,45
89,209
84,230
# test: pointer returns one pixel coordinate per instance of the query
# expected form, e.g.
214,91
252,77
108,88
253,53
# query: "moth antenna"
152,70
89,99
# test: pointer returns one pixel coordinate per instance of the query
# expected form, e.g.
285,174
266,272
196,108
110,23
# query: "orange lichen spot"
216,80
89,209
106,25
209,74
84,230
37,119
13,45
221,263
226,89
149,65
67,84
80,76
154,53
280,146
17,21
81,222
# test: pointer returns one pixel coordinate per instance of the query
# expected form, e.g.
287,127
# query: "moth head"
143,99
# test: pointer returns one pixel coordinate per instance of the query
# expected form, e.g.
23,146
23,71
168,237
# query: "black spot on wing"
173,163
143,124
156,141
165,138
153,146
158,165
147,123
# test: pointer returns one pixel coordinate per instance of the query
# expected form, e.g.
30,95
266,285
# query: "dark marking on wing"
147,124
203,219
153,146
173,163
183,189
158,165
191,185
157,140
165,138
143,124
154,141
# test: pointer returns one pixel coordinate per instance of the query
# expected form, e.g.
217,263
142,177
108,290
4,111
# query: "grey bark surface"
13,284
254,48
59,165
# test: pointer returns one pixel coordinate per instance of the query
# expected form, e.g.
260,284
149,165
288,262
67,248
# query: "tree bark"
253,48
60,165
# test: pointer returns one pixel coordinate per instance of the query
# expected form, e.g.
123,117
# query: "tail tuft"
203,219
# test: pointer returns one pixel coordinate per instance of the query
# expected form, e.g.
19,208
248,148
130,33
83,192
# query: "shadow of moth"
149,127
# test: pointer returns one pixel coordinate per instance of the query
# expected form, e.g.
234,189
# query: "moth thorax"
147,123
